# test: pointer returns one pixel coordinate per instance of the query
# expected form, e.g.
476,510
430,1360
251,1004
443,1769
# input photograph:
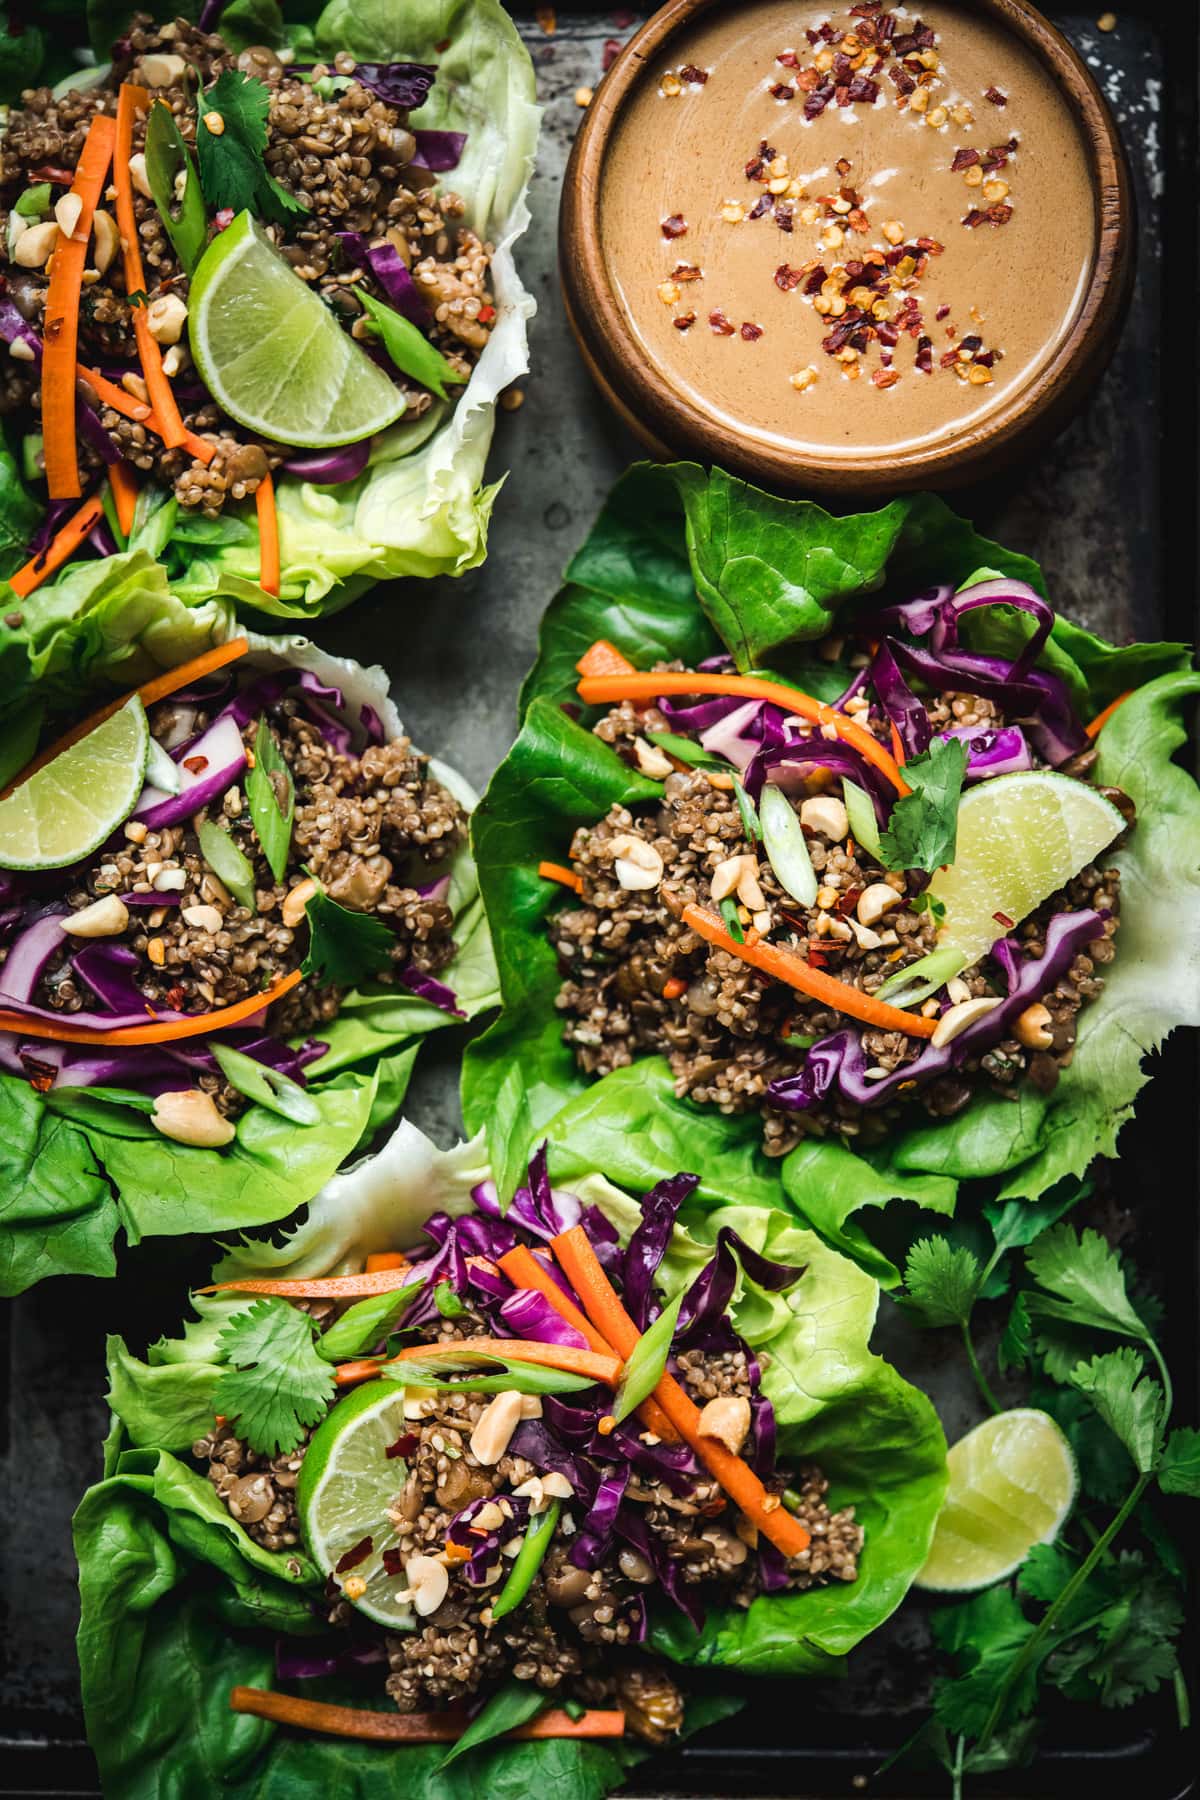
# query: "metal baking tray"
1111,511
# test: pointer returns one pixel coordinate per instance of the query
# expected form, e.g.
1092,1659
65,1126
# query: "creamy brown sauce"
981,307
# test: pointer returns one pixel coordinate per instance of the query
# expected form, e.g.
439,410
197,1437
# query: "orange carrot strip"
898,746
552,871
130,407
525,1271
581,1266
65,542
125,493
61,328
596,690
149,693
409,1728
162,1031
130,100
603,658
386,1259
785,965
318,1287
1101,719
268,536
606,1368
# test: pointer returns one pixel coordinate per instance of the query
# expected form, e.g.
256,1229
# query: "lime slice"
1020,837
1012,1483
273,355
65,811
347,1482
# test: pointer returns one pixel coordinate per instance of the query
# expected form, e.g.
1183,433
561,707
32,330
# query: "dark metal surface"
1111,512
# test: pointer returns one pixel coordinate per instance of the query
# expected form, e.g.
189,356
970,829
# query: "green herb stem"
981,1381
1032,1645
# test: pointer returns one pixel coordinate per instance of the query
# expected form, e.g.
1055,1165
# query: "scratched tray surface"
1110,512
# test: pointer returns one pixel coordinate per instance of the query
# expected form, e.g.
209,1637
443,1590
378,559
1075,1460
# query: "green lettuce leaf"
681,563
72,1180
421,508
167,1579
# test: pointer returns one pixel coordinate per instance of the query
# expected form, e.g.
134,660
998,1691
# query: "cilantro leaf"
942,1282
1133,1616
233,173
1129,1402
1016,1343
277,1384
1105,1471
984,1634
923,828
271,796
1179,1472
1046,1571
344,947
1085,1274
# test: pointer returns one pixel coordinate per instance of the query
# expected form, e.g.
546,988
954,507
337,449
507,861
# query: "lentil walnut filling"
347,156
638,980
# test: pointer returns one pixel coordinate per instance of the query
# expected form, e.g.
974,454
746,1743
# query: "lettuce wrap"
170,1581
81,1163
420,506
684,566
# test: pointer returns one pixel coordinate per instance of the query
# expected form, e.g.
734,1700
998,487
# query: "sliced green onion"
733,924
924,977
745,806
644,1367
795,1041
272,815
367,1323
32,463
783,841
161,772
860,810
227,862
34,201
278,1093
684,751
184,217
527,1562
409,349
475,1374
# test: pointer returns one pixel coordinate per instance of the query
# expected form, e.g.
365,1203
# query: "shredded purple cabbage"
428,987
706,1303
329,468
486,1543
404,85
218,756
384,262
28,955
109,970
840,1062
594,1541
792,765
992,750
648,1245
528,1314
438,151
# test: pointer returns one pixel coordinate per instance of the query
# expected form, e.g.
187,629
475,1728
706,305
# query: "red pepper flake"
943,312
817,959
787,59
995,96
783,90
750,331
999,214
675,226
924,358
902,79
807,80
841,95
612,49
764,204
684,321
47,172
692,75
786,279
843,165
195,764
486,314
816,280
849,900
964,159
857,219
1003,919
720,323
974,218
393,1560
176,997
685,272
404,1445
356,1554
866,9
885,378
949,357
784,215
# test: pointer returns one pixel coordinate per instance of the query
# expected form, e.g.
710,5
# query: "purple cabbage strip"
428,987
485,1545
384,262
633,1528
728,725
991,750
594,1540
839,1061
404,85
28,955
171,898
791,766
706,1303
772,1567
528,1314
224,756
760,1449
901,705
856,687
438,151
15,328
648,1245
672,1464
538,1445
371,723
328,468
297,1659
108,969
435,890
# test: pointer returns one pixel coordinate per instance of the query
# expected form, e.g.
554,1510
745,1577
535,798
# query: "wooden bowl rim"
660,413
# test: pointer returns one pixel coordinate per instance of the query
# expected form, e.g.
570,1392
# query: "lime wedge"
273,355
65,811
1012,1484
1020,837
347,1482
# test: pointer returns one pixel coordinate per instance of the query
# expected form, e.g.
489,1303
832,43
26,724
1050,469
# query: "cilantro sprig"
231,141
344,947
276,1385
923,828
1093,1622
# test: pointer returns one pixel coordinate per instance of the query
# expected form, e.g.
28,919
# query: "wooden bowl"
669,422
